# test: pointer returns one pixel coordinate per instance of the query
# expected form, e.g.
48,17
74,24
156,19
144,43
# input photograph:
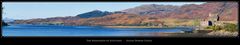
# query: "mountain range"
8,20
147,13
94,13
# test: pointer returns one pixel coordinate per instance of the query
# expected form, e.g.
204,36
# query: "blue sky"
28,10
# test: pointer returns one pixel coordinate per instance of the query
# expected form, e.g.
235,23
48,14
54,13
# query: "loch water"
54,30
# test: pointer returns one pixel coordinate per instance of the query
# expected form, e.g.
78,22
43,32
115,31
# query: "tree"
3,23
216,27
196,22
144,24
230,27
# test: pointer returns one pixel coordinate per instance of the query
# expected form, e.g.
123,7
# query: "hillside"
94,13
151,9
149,14
188,11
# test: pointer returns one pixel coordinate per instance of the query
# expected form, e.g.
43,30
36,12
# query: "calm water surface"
50,30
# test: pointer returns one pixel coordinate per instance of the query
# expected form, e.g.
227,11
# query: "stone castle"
212,20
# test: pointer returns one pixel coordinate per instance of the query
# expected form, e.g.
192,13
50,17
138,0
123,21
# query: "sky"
29,10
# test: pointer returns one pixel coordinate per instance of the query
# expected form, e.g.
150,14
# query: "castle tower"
212,19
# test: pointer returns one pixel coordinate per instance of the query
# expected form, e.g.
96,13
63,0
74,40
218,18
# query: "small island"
4,24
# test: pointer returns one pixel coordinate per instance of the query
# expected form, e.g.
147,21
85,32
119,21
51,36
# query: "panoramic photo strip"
147,19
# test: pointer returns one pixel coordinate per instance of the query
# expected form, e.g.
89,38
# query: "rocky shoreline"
223,33
195,33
